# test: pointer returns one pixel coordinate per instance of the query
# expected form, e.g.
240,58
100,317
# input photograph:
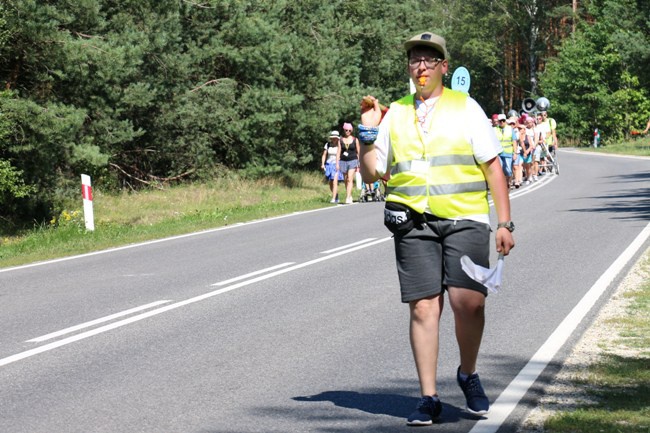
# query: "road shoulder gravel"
564,394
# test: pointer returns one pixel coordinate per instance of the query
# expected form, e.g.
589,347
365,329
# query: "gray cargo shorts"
428,256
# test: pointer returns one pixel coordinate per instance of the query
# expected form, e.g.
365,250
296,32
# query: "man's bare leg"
425,319
469,316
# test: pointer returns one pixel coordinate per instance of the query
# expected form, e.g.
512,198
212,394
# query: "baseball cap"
501,116
334,134
512,120
495,117
428,39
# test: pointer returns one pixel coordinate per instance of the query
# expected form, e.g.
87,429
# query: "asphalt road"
294,324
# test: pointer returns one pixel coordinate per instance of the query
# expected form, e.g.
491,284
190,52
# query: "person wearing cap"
506,137
517,154
495,120
349,162
330,163
440,153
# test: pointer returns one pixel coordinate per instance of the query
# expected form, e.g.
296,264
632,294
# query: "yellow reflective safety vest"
552,125
505,138
438,170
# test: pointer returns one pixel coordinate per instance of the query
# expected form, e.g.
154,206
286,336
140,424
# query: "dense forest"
138,93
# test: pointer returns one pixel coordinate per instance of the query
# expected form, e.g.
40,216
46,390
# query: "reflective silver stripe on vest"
435,161
451,188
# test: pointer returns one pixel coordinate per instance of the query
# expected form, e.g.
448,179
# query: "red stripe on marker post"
87,192
87,195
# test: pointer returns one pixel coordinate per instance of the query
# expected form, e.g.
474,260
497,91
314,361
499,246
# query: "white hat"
501,116
334,134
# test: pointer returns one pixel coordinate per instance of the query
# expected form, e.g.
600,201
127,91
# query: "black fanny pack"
398,218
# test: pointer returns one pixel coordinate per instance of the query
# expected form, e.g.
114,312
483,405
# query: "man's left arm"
487,148
499,191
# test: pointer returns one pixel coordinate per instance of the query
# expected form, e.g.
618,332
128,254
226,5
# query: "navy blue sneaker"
477,401
428,410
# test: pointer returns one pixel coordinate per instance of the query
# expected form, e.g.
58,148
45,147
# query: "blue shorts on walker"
330,171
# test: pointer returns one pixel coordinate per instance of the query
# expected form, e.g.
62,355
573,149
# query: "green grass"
639,146
618,384
127,218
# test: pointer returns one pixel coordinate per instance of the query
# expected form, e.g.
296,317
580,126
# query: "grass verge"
604,386
153,214
637,146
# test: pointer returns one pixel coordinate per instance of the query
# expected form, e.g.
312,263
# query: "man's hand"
371,111
504,240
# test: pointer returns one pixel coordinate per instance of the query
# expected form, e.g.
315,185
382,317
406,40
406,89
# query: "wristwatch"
508,225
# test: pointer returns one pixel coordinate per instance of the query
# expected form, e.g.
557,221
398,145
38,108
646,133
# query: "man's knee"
467,302
426,308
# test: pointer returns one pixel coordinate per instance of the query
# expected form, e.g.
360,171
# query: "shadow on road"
394,405
630,204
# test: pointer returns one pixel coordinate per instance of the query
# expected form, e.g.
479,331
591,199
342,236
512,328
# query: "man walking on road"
506,137
551,138
440,151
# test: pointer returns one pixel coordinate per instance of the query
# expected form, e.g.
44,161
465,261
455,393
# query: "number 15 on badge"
460,80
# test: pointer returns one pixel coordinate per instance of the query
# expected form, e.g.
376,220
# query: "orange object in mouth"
422,81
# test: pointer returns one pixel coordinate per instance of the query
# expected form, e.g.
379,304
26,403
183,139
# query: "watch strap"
507,225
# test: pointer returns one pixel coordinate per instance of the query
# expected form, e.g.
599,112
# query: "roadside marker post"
87,194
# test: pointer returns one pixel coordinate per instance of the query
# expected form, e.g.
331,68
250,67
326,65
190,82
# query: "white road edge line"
133,319
252,274
515,391
546,179
348,246
171,238
610,155
95,322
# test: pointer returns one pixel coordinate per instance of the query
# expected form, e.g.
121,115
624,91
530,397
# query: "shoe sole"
480,412
419,423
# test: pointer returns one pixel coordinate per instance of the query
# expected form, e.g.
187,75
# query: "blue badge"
460,80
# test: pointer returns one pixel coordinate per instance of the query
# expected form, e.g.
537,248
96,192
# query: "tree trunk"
533,35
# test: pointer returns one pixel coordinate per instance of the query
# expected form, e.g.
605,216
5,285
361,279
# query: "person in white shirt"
441,153
330,164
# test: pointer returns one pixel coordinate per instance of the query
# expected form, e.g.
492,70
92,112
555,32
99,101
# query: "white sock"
463,376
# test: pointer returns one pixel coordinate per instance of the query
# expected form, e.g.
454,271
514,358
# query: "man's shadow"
394,405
